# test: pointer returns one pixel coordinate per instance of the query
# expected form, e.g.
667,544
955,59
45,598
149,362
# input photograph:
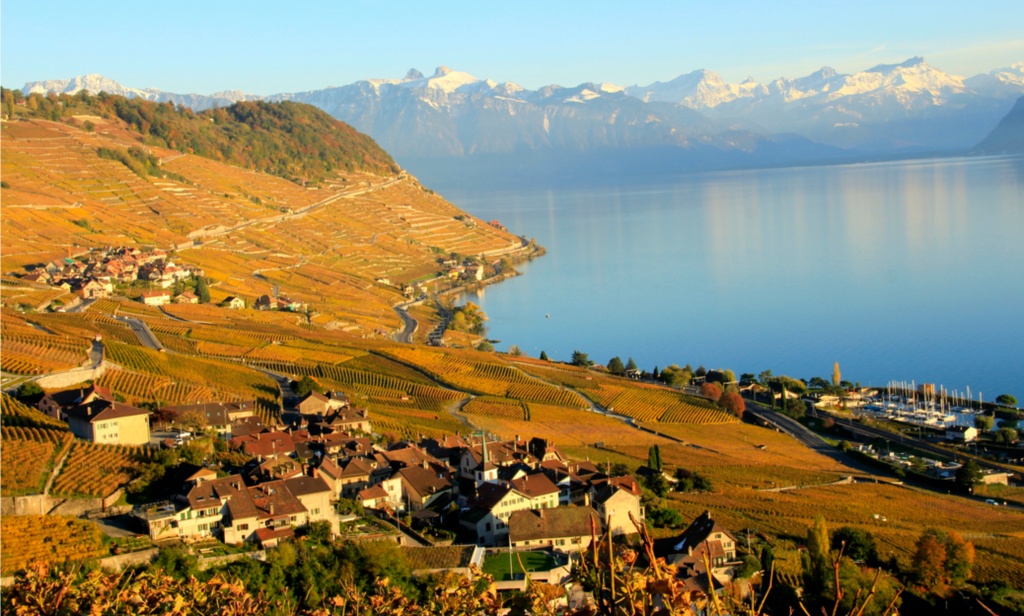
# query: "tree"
818,550
968,475
631,365
942,559
734,403
544,356
654,458
711,391
202,290
764,377
306,385
486,346
515,351
579,358
817,382
856,543
1006,436
657,484
1006,400
701,371
615,366
674,376
984,423
29,391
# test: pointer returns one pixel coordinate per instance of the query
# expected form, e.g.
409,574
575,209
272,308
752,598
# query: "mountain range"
695,121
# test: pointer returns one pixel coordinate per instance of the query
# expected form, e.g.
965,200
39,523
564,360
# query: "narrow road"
146,336
409,324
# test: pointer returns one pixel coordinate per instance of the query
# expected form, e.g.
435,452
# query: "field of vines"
412,422
136,388
13,413
48,539
497,407
93,470
26,457
225,380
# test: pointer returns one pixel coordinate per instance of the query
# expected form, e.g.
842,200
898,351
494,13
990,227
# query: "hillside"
344,246
1008,136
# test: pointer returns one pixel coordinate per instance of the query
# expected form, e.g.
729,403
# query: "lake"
909,270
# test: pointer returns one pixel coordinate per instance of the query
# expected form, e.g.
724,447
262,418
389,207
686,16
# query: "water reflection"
909,270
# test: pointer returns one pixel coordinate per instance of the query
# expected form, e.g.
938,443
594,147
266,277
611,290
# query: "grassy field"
497,565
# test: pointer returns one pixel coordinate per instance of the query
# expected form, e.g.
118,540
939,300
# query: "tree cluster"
290,140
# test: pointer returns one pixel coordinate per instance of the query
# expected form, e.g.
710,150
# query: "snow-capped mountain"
98,83
697,117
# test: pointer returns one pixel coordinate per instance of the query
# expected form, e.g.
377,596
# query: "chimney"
271,508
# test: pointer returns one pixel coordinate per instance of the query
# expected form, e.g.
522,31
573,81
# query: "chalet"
111,423
267,302
616,500
566,529
316,404
94,289
155,298
475,271
57,403
705,537
422,487
355,476
234,302
487,516
384,495
187,297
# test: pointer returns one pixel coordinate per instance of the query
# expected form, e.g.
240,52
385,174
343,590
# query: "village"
468,497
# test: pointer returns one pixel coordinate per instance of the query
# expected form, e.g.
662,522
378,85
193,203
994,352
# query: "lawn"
497,565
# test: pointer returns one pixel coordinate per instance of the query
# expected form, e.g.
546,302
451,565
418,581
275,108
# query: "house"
705,537
384,495
57,403
110,423
156,298
422,487
315,404
566,529
216,415
94,289
616,500
269,444
961,434
187,297
355,476
488,514
233,302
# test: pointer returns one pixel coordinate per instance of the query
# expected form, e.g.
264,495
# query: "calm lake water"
909,270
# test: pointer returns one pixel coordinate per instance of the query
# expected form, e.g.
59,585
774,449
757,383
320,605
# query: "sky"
265,47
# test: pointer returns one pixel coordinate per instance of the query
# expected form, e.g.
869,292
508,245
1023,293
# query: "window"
243,527
487,527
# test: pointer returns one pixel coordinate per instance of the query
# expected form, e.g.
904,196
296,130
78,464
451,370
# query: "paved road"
409,324
146,336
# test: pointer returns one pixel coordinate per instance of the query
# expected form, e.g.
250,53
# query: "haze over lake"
910,270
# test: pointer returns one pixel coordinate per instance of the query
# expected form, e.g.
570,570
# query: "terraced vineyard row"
497,407
47,539
26,458
15,414
17,362
94,470
228,381
38,435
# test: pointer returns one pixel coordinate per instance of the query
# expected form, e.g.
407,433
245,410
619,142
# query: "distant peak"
885,68
441,71
413,74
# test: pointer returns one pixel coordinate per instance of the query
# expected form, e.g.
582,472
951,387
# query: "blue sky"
270,47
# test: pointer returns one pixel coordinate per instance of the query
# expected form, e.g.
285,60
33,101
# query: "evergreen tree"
631,365
202,290
615,366
544,356
654,458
